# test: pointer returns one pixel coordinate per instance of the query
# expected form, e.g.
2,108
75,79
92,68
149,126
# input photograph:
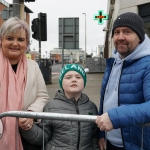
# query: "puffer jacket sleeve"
95,145
124,116
35,134
134,114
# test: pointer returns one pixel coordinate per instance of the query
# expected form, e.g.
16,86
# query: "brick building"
6,10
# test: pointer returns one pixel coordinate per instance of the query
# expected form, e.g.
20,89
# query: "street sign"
101,17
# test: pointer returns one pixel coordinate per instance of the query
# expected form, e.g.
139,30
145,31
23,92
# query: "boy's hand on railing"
25,123
104,122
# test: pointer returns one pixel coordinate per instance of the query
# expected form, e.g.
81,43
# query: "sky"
56,9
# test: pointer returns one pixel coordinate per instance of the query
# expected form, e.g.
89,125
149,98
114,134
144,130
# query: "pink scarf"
11,98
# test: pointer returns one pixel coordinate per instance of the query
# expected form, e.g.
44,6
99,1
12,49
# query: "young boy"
66,135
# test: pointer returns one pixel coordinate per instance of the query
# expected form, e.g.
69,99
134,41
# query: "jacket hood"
60,95
142,50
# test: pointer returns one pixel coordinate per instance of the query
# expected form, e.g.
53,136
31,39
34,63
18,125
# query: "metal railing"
46,115
59,116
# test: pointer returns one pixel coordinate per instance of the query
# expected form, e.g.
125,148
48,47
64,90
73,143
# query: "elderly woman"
21,83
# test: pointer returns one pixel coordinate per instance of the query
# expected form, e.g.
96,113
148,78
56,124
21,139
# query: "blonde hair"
11,26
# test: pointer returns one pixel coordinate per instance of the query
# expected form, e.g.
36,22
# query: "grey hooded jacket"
66,135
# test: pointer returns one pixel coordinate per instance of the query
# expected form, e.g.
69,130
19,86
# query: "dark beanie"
131,20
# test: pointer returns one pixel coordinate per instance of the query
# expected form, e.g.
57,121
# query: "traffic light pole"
39,37
39,29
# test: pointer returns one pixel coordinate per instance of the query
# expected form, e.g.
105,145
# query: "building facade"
117,7
6,11
70,55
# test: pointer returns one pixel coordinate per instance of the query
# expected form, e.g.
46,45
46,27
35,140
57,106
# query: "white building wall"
122,6
130,3
133,9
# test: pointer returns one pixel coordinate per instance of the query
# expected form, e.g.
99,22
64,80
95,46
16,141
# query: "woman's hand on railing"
25,123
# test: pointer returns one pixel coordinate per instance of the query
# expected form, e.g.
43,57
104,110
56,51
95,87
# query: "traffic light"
43,21
39,27
35,28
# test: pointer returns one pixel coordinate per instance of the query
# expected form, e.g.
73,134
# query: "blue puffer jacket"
133,102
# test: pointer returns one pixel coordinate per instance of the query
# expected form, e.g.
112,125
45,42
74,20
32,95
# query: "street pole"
85,35
39,37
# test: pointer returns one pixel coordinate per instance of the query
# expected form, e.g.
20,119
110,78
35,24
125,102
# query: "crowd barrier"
58,116
46,115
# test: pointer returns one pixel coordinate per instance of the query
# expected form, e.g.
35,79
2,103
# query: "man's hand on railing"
104,122
25,123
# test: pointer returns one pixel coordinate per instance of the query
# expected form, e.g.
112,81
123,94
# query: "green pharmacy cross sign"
101,17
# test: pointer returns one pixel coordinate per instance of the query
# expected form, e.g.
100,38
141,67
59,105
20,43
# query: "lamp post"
85,35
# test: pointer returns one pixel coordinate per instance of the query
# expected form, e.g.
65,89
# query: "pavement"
92,88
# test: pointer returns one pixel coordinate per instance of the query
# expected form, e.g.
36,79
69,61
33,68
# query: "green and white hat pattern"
72,67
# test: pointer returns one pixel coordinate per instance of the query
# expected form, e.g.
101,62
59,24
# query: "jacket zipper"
77,110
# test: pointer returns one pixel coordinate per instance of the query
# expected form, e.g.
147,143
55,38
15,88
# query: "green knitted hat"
72,67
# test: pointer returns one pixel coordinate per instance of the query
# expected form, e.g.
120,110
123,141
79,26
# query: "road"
56,69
